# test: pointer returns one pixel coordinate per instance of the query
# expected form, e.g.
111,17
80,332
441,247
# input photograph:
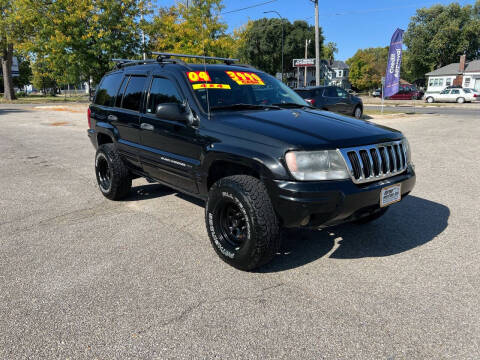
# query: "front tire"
241,223
460,100
358,112
113,177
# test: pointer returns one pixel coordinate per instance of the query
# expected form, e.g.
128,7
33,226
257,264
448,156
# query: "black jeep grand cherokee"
255,151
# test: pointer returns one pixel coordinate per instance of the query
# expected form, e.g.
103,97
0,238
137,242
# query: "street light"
281,18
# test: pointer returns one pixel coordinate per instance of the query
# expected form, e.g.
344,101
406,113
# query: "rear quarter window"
107,89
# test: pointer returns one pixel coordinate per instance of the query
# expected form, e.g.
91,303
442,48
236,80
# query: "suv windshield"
240,90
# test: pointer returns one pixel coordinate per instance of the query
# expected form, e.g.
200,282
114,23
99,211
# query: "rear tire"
241,223
113,177
372,217
460,100
430,100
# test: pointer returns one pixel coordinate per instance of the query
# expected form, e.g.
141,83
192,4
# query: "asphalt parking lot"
84,277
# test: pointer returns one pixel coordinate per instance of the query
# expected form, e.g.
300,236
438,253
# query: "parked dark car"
407,92
255,152
332,98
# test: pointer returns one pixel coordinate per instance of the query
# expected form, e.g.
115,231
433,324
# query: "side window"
455,92
118,102
108,89
445,92
341,93
330,92
133,93
162,91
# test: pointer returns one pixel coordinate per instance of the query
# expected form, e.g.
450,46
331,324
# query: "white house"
331,73
465,74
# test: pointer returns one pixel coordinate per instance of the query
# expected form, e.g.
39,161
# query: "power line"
370,10
248,7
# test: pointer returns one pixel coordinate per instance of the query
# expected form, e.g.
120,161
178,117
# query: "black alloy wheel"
233,224
104,173
113,177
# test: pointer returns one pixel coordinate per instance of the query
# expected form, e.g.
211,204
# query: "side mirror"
172,111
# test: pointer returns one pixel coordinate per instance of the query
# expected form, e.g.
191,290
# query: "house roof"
473,66
337,64
452,69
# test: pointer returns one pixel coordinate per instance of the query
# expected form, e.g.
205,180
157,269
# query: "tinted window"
304,93
455,92
162,91
133,94
341,93
118,102
108,89
467,91
330,92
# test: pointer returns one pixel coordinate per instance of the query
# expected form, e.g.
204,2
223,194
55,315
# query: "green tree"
438,35
260,43
10,28
25,73
77,39
367,67
329,51
195,29
42,79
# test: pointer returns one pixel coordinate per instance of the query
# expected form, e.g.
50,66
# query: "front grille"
375,162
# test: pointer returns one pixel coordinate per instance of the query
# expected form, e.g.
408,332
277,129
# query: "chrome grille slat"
375,162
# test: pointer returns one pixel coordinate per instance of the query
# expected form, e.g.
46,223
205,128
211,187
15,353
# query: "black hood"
305,128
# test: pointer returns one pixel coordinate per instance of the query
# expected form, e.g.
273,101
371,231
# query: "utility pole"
283,24
317,46
307,42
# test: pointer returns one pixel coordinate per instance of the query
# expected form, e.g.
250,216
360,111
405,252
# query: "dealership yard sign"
303,62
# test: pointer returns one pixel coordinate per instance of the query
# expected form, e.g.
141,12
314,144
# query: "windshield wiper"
293,105
244,107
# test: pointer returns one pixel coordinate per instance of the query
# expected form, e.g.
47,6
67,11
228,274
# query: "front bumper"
326,203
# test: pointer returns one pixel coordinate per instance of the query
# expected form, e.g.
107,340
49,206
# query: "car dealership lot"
81,276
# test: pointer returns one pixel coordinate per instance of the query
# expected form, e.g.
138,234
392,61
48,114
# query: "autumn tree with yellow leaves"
195,28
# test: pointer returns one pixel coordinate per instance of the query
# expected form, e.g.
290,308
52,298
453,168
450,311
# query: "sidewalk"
368,100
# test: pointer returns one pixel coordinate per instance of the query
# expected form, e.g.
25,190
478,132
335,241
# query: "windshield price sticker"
245,78
198,76
211,86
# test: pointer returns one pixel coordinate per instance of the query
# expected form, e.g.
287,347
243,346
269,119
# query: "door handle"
146,126
112,118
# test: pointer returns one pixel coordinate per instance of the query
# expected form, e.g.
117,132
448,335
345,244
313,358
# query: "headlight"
316,165
407,150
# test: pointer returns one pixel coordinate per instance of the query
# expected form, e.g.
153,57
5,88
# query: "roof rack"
128,62
163,56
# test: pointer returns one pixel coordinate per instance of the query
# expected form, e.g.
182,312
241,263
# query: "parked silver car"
451,95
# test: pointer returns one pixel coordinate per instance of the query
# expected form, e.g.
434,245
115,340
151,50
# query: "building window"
467,82
435,82
449,82
431,82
